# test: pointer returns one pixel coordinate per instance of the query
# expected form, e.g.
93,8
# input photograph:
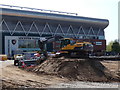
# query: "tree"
109,46
116,47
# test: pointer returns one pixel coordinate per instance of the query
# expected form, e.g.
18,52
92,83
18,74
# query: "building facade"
21,28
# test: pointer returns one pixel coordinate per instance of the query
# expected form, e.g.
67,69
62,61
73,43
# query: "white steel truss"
98,32
43,31
93,33
58,31
71,28
18,23
3,21
81,29
89,31
59,26
33,24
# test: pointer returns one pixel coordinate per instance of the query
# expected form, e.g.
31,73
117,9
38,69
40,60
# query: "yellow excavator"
68,47
73,48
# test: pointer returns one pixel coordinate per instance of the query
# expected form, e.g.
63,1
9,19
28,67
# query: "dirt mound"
74,69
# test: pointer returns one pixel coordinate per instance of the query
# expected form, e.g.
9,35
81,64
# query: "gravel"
79,84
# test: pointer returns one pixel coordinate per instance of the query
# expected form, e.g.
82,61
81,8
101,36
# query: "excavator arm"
42,43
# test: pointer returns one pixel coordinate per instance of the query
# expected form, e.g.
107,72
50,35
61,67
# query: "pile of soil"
75,69
6,85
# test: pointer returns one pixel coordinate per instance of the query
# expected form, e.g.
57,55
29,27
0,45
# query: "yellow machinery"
69,47
74,48
3,57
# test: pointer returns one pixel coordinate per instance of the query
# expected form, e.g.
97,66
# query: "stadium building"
21,27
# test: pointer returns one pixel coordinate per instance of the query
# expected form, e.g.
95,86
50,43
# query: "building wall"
50,27
35,24
1,43
0,34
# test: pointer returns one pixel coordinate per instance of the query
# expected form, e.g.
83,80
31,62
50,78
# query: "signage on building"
13,41
98,43
30,38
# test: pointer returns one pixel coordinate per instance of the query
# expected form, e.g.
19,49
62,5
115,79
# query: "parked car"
28,63
17,58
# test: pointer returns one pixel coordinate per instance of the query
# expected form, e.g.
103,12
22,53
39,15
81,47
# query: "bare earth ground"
13,77
113,66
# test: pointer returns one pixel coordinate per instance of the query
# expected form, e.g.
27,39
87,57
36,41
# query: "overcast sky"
105,9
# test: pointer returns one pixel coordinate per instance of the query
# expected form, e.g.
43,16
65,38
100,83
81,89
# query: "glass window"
28,44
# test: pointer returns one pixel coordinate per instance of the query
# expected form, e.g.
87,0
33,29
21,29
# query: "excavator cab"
66,41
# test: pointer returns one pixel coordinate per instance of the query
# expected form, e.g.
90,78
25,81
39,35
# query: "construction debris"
75,69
